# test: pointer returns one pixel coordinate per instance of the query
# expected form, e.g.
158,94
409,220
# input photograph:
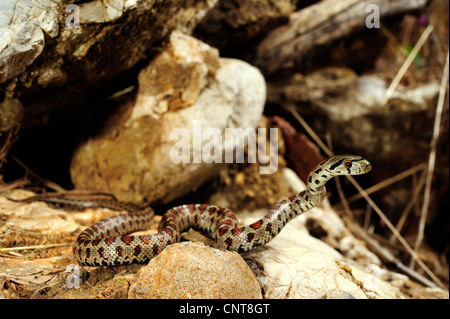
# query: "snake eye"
348,164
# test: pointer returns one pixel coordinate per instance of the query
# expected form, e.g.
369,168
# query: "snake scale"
106,244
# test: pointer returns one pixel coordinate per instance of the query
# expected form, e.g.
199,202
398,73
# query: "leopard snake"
106,244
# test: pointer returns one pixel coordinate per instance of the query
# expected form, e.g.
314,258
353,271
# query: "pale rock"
192,271
22,27
25,44
297,265
101,11
35,217
368,92
23,24
186,63
298,273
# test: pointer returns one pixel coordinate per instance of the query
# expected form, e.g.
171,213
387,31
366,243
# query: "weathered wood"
318,25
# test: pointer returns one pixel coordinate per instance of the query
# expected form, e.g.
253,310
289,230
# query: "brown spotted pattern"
105,243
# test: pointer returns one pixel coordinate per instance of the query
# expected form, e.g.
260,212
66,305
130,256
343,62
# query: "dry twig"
10,249
369,201
14,184
386,182
432,156
410,205
46,182
401,72
384,254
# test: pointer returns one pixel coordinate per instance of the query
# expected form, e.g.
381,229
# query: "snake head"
347,165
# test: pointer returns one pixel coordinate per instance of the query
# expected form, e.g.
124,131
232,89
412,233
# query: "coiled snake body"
104,243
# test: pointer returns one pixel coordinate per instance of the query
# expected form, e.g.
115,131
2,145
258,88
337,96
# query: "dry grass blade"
410,205
78,194
15,184
401,72
432,156
369,201
396,233
339,189
10,249
44,181
384,254
387,182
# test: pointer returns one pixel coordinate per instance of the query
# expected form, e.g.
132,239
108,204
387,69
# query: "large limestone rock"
186,89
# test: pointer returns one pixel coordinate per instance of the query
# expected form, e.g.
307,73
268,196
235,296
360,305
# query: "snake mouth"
366,166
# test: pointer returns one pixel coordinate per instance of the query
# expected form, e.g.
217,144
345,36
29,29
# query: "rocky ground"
137,98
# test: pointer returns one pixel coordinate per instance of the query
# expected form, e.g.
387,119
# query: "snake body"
106,244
